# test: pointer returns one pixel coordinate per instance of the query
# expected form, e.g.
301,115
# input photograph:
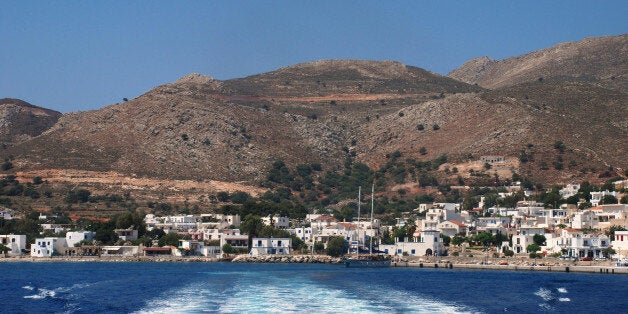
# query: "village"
530,230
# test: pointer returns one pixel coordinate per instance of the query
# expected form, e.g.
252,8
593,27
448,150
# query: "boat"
370,259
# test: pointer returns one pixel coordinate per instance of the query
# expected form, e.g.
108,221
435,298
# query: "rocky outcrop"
313,259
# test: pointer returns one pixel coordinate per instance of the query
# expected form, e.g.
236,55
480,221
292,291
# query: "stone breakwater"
320,259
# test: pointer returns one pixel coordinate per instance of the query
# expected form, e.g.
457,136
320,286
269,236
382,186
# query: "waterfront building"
425,243
620,244
46,247
74,237
15,242
266,246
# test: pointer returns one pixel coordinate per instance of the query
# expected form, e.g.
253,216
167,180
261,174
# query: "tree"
4,249
457,240
319,247
422,150
533,248
336,246
539,239
558,145
228,249
485,238
608,199
170,239
252,225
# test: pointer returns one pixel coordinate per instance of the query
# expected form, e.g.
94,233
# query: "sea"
195,287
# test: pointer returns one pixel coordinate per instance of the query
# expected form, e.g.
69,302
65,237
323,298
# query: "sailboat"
370,260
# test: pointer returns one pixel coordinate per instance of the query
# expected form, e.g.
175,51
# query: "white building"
74,237
48,246
15,242
6,213
596,197
236,241
266,246
569,190
220,221
129,234
306,234
620,244
426,244
277,221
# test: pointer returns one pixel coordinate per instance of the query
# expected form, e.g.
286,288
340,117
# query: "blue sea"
140,287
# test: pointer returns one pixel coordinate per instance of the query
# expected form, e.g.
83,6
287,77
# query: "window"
413,252
279,243
399,251
13,240
259,242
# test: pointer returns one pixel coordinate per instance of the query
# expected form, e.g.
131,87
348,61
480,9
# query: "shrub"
435,127
420,127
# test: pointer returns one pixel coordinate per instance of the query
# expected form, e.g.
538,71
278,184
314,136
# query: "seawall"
321,259
555,268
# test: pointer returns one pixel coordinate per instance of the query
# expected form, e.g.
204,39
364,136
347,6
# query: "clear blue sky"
83,55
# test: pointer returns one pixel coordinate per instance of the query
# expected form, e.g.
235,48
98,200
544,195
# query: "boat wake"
278,295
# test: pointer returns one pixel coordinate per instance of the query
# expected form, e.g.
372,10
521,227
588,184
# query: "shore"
513,264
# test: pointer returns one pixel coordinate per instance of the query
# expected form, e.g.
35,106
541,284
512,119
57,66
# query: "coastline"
466,263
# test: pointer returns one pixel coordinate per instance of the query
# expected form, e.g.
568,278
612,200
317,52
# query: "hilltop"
20,121
599,60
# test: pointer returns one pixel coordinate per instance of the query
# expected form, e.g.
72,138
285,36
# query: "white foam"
42,294
28,288
279,295
545,294
562,290
564,299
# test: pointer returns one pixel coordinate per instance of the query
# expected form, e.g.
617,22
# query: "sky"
84,55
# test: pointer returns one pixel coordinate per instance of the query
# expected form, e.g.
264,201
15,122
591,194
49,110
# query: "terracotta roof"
326,218
572,230
458,223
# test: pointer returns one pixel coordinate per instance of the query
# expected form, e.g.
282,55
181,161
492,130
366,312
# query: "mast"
358,225
372,202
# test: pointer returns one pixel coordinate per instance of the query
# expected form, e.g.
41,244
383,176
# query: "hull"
366,262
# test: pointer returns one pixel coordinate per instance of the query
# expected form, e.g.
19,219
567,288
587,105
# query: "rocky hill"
602,60
20,121
199,128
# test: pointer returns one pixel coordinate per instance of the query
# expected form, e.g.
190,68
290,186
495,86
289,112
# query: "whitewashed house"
426,244
569,190
271,246
212,251
236,241
452,228
277,221
74,237
217,234
6,213
48,247
579,244
128,234
620,244
15,242
596,197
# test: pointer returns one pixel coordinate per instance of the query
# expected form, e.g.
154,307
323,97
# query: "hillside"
338,111
603,60
20,121
200,128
